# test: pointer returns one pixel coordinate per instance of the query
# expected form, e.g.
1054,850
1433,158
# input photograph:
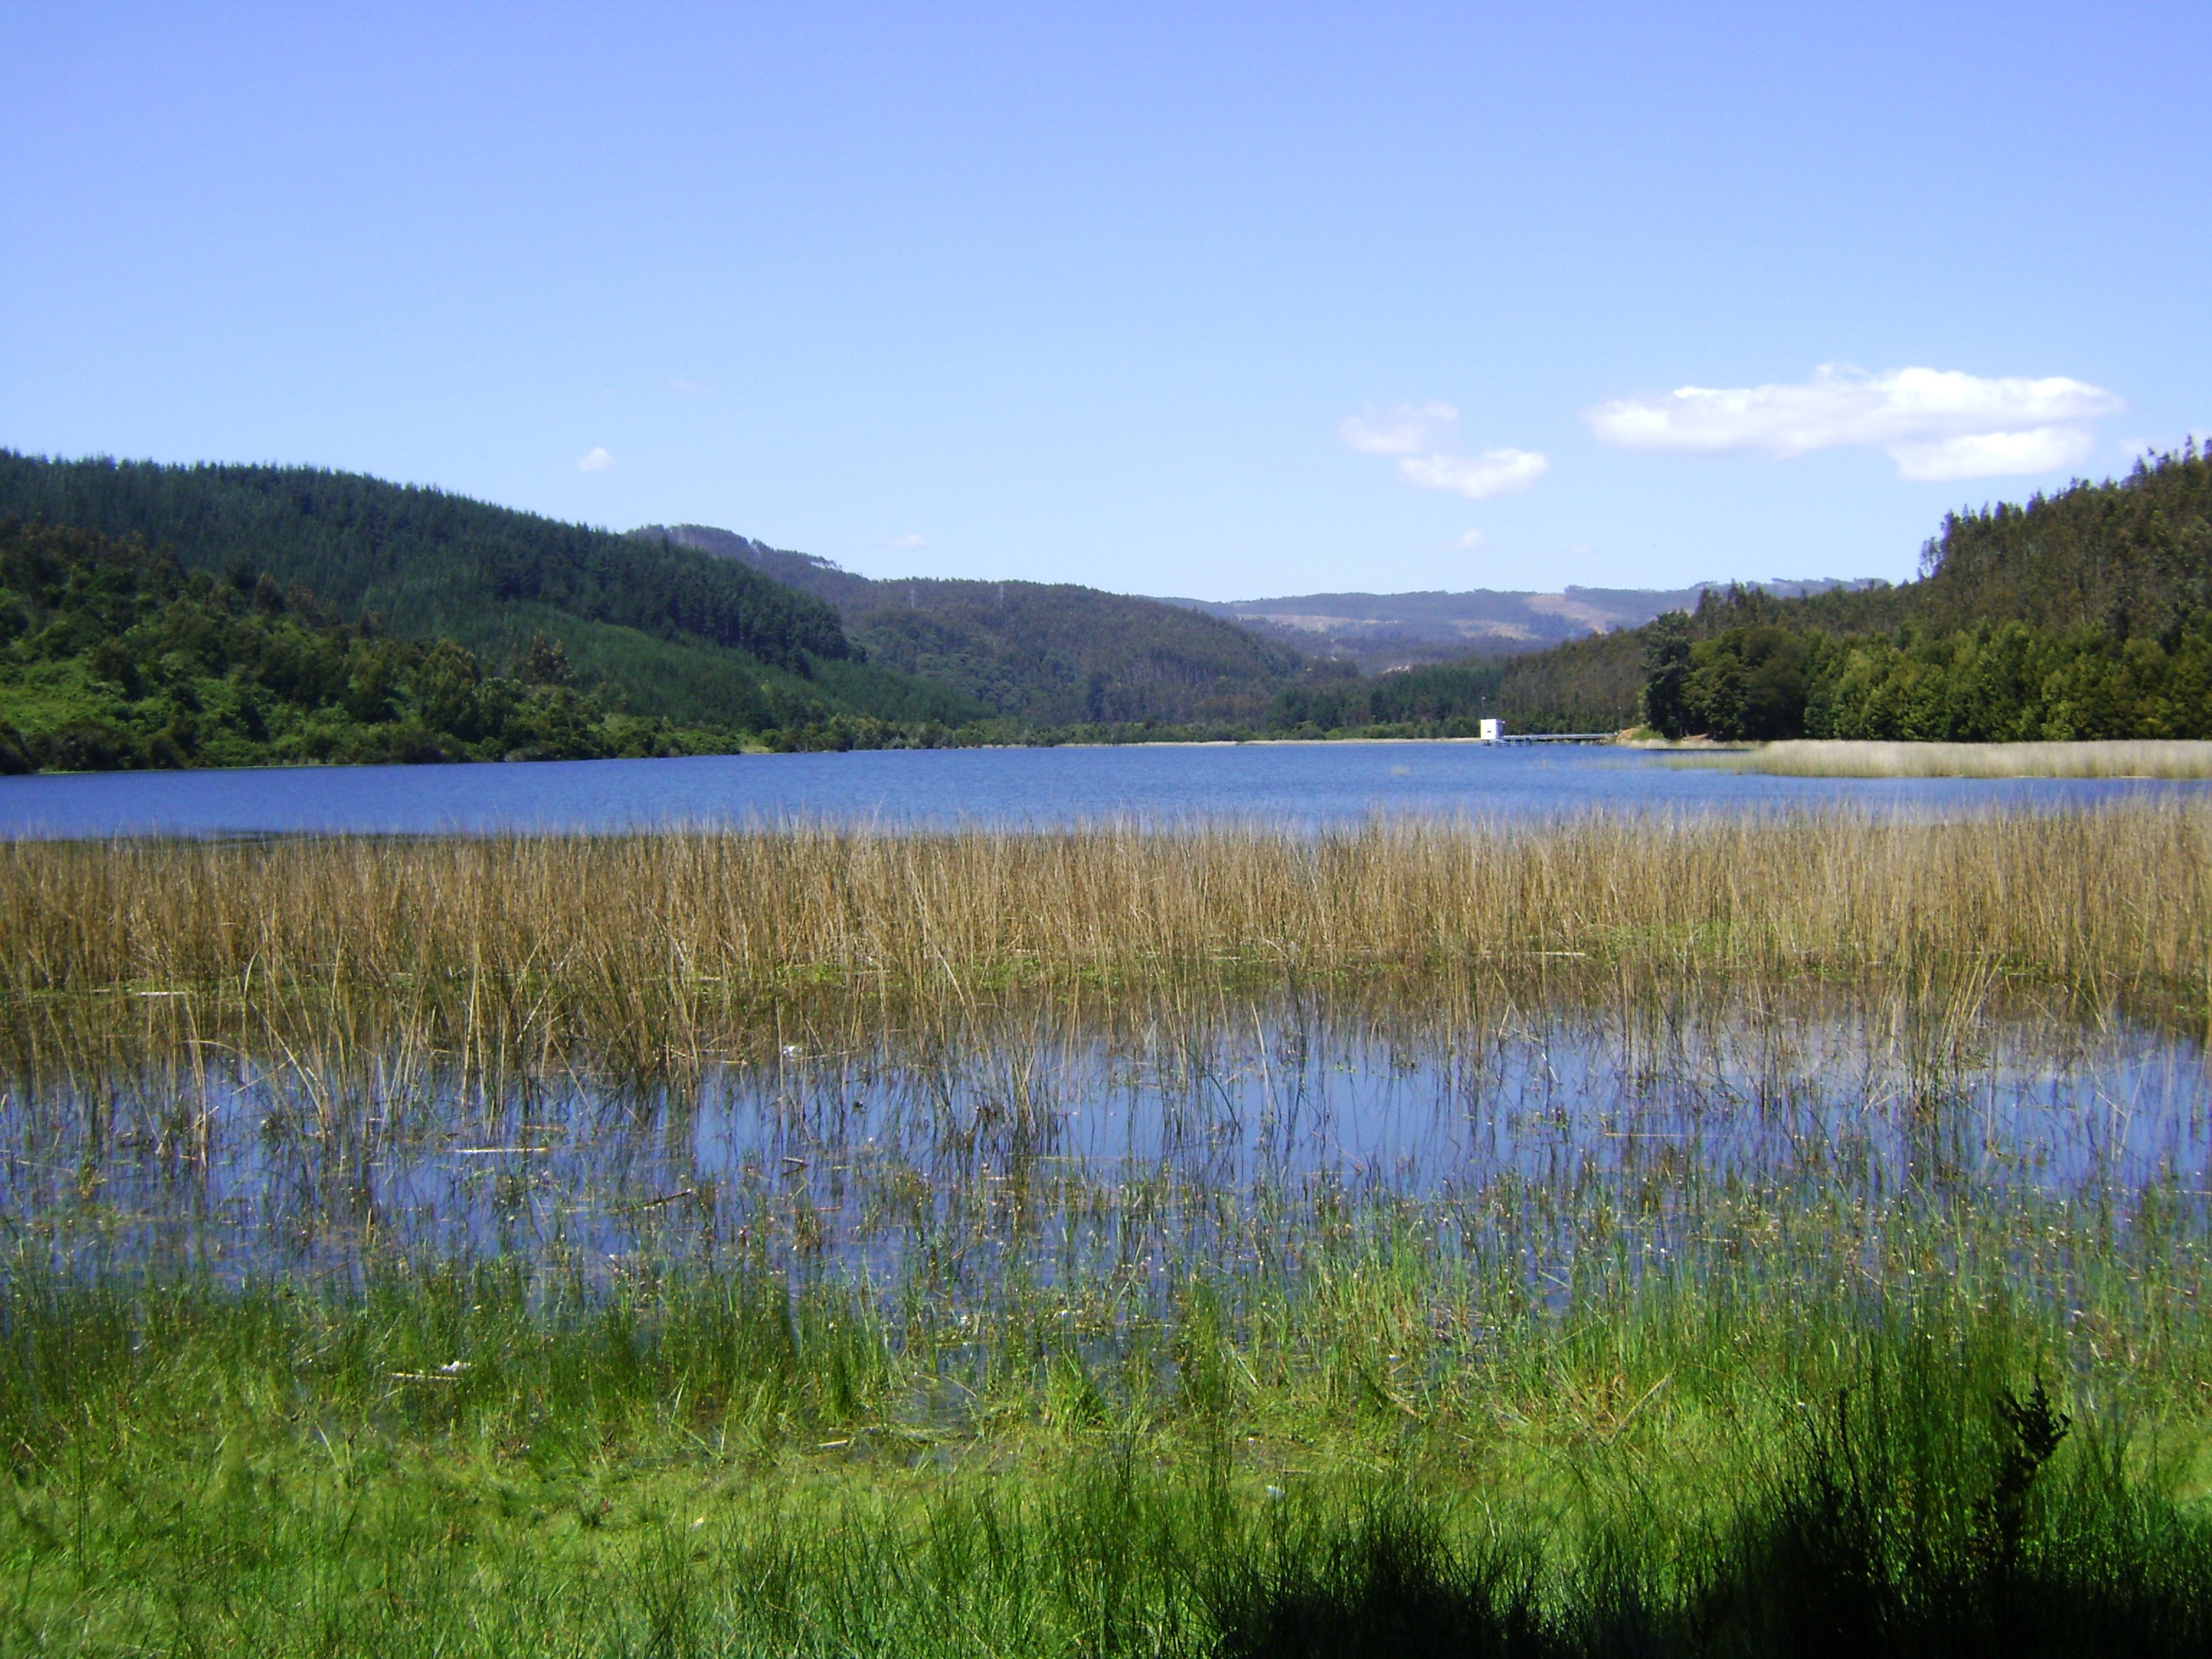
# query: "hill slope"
660,629
113,657
1047,654
1580,686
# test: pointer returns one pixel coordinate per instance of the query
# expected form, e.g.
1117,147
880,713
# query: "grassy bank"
2117,758
665,949
455,1462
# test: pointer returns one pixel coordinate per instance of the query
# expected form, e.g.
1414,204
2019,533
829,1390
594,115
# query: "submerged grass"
2182,758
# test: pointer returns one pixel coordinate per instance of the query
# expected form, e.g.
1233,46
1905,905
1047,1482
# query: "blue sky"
1221,300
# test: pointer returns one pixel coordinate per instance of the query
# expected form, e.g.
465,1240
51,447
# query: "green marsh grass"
201,1470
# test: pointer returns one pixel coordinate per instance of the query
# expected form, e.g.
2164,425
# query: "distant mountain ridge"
1382,630
982,637
1049,654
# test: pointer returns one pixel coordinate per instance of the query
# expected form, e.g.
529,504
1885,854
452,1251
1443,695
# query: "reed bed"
2177,758
658,949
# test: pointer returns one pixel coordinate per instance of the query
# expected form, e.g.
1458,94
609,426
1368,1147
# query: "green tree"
1666,673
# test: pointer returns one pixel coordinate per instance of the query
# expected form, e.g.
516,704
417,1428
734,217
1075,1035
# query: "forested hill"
2128,558
2133,558
663,630
2083,614
1049,654
113,656
809,573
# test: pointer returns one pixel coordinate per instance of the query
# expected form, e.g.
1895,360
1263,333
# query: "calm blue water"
1301,784
1520,1131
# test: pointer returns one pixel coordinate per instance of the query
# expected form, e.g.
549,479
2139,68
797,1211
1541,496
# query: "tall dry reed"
650,948
2128,758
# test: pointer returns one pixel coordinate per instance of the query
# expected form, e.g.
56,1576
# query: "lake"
1313,784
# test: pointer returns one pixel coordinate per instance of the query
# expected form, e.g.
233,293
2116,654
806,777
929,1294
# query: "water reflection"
1537,1145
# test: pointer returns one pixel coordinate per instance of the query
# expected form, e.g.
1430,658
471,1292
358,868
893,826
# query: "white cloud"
907,543
1418,435
1993,454
1406,429
595,461
1933,423
1471,539
682,388
1493,472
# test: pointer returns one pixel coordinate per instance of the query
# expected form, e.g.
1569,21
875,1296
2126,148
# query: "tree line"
2086,614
